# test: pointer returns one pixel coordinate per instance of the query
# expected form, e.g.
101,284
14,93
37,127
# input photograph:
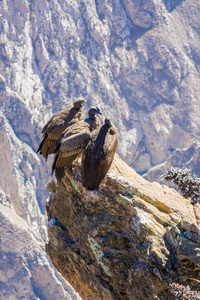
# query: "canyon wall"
129,240
137,60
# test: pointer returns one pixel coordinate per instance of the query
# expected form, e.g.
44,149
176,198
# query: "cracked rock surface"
25,270
129,240
137,60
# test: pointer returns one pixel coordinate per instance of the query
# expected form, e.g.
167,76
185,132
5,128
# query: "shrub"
188,184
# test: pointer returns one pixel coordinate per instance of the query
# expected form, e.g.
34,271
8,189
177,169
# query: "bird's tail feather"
54,163
42,143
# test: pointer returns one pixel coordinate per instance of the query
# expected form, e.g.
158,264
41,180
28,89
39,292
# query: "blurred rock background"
137,60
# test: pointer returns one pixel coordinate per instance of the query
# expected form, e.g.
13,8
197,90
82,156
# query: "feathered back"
55,127
98,156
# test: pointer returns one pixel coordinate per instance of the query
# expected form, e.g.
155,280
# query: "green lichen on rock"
129,240
96,249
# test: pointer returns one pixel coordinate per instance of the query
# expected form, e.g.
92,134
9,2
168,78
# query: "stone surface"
181,158
25,270
129,240
137,60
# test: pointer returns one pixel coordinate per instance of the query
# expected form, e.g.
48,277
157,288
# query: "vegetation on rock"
182,292
129,240
188,184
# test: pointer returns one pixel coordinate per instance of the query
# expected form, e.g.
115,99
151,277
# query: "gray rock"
25,271
128,240
137,60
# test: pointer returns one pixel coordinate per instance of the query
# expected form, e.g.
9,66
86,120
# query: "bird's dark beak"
98,111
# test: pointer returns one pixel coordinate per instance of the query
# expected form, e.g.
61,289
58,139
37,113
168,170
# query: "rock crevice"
129,240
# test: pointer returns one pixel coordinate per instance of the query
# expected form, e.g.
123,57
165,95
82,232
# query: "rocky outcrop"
129,240
25,270
181,158
137,60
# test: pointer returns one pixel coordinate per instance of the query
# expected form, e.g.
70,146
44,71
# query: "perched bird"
98,155
73,140
57,124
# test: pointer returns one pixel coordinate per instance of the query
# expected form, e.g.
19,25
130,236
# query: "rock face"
25,271
137,60
129,240
181,158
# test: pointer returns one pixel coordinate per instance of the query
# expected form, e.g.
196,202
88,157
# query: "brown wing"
61,121
70,148
93,123
77,128
60,115
75,143
55,127
74,129
111,141
60,161
97,158
109,150
46,146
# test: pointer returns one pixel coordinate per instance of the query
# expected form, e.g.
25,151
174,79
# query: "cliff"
129,240
187,157
25,270
137,60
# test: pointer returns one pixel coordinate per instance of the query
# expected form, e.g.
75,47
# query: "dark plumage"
57,124
98,155
73,140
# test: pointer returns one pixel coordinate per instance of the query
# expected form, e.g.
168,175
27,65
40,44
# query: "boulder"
130,239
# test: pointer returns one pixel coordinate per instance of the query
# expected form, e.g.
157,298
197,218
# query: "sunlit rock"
128,240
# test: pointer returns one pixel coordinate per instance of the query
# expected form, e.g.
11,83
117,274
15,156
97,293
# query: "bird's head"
79,102
93,111
108,122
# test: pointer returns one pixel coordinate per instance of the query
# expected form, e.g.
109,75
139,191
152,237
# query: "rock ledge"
129,240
